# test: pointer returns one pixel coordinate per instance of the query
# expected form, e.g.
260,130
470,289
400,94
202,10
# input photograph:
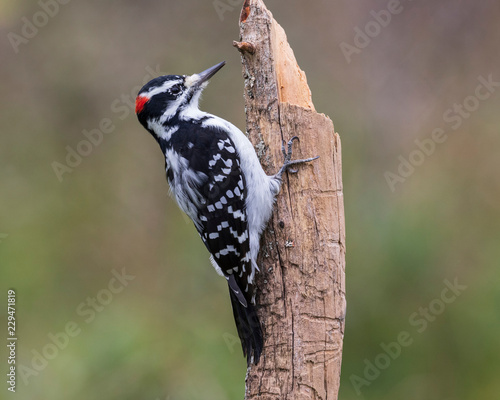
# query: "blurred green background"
168,334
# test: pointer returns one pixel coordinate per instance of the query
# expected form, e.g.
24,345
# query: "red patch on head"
140,101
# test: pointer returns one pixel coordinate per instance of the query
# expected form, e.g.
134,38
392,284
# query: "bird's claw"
287,155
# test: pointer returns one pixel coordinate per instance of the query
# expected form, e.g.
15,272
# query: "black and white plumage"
217,180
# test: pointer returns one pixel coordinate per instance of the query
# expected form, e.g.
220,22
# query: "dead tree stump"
301,287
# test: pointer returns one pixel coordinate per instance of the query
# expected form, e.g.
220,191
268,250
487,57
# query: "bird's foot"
287,154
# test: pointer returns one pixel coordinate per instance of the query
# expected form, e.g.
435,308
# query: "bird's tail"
249,330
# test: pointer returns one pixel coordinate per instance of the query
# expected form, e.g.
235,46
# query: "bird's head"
163,98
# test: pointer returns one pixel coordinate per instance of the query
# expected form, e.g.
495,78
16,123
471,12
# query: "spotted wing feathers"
212,178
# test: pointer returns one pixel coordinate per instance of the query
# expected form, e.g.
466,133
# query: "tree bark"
301,286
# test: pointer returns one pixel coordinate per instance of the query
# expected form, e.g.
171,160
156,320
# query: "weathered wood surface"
301,287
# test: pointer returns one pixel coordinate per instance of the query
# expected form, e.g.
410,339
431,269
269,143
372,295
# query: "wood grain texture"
301,287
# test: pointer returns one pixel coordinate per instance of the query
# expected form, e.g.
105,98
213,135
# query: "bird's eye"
175,89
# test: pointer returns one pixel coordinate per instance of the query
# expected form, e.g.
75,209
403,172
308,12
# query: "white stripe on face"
163,88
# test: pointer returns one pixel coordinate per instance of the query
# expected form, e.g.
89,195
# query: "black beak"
208,73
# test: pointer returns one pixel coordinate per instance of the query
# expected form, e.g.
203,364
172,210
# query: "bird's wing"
216,183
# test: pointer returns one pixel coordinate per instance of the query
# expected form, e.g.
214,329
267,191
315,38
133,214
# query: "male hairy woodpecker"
217,180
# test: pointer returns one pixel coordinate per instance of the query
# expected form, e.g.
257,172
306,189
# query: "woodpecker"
215,176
